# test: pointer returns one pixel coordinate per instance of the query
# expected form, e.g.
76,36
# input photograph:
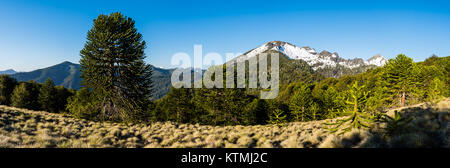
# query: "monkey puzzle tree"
277,117
399,76
357,117
300,103
112,65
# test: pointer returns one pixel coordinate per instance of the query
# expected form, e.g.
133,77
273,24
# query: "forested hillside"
66,74
308,96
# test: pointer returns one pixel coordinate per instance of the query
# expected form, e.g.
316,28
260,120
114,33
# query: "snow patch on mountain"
310,55
376,60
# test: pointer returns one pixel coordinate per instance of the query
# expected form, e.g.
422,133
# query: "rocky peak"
377,60
314,59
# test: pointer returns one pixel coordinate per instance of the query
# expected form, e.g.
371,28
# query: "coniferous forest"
117,87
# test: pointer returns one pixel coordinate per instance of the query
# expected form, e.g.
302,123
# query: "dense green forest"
399,83
118,87
34,96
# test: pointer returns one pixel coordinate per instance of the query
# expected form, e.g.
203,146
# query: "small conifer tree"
300,102
357,117
278,117
21,97
48,97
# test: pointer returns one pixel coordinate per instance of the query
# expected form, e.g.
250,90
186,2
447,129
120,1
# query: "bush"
82,106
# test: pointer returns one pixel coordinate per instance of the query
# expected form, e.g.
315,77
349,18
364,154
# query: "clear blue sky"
40,34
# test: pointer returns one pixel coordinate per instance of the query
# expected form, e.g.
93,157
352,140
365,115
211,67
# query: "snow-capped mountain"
312,57
377,60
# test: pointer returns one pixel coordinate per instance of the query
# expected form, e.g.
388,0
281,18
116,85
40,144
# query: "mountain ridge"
8,72
63,74
67,74
312,57
297,61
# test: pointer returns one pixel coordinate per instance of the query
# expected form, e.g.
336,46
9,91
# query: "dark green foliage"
332,101
256,112
176,106
25,95
339,70
358,97
211,106
21,96
34,96
63,95
112,65
315,102
48,98
296,71
223,106
399,77
7,85
82,105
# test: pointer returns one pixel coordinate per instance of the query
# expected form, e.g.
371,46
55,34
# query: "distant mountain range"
67,74
327,63
312,57
303,61
8,72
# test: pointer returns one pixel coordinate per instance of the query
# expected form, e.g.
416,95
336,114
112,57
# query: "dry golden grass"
21,128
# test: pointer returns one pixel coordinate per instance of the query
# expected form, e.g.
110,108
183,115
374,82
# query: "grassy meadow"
20,128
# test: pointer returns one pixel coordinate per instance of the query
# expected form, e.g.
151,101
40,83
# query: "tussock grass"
21,128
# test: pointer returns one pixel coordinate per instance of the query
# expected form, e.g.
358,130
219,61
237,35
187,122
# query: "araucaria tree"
300,103
357,118
399,77
278,117
113,67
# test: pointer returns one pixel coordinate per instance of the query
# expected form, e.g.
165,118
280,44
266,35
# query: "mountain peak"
314,59
8,72
276,42
66,63
377,60
378,56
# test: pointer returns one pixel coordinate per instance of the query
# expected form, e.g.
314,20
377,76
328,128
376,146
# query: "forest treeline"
34,96
118,87
399,83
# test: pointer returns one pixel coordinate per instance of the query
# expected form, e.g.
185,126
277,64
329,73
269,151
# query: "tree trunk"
303,112
402,100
